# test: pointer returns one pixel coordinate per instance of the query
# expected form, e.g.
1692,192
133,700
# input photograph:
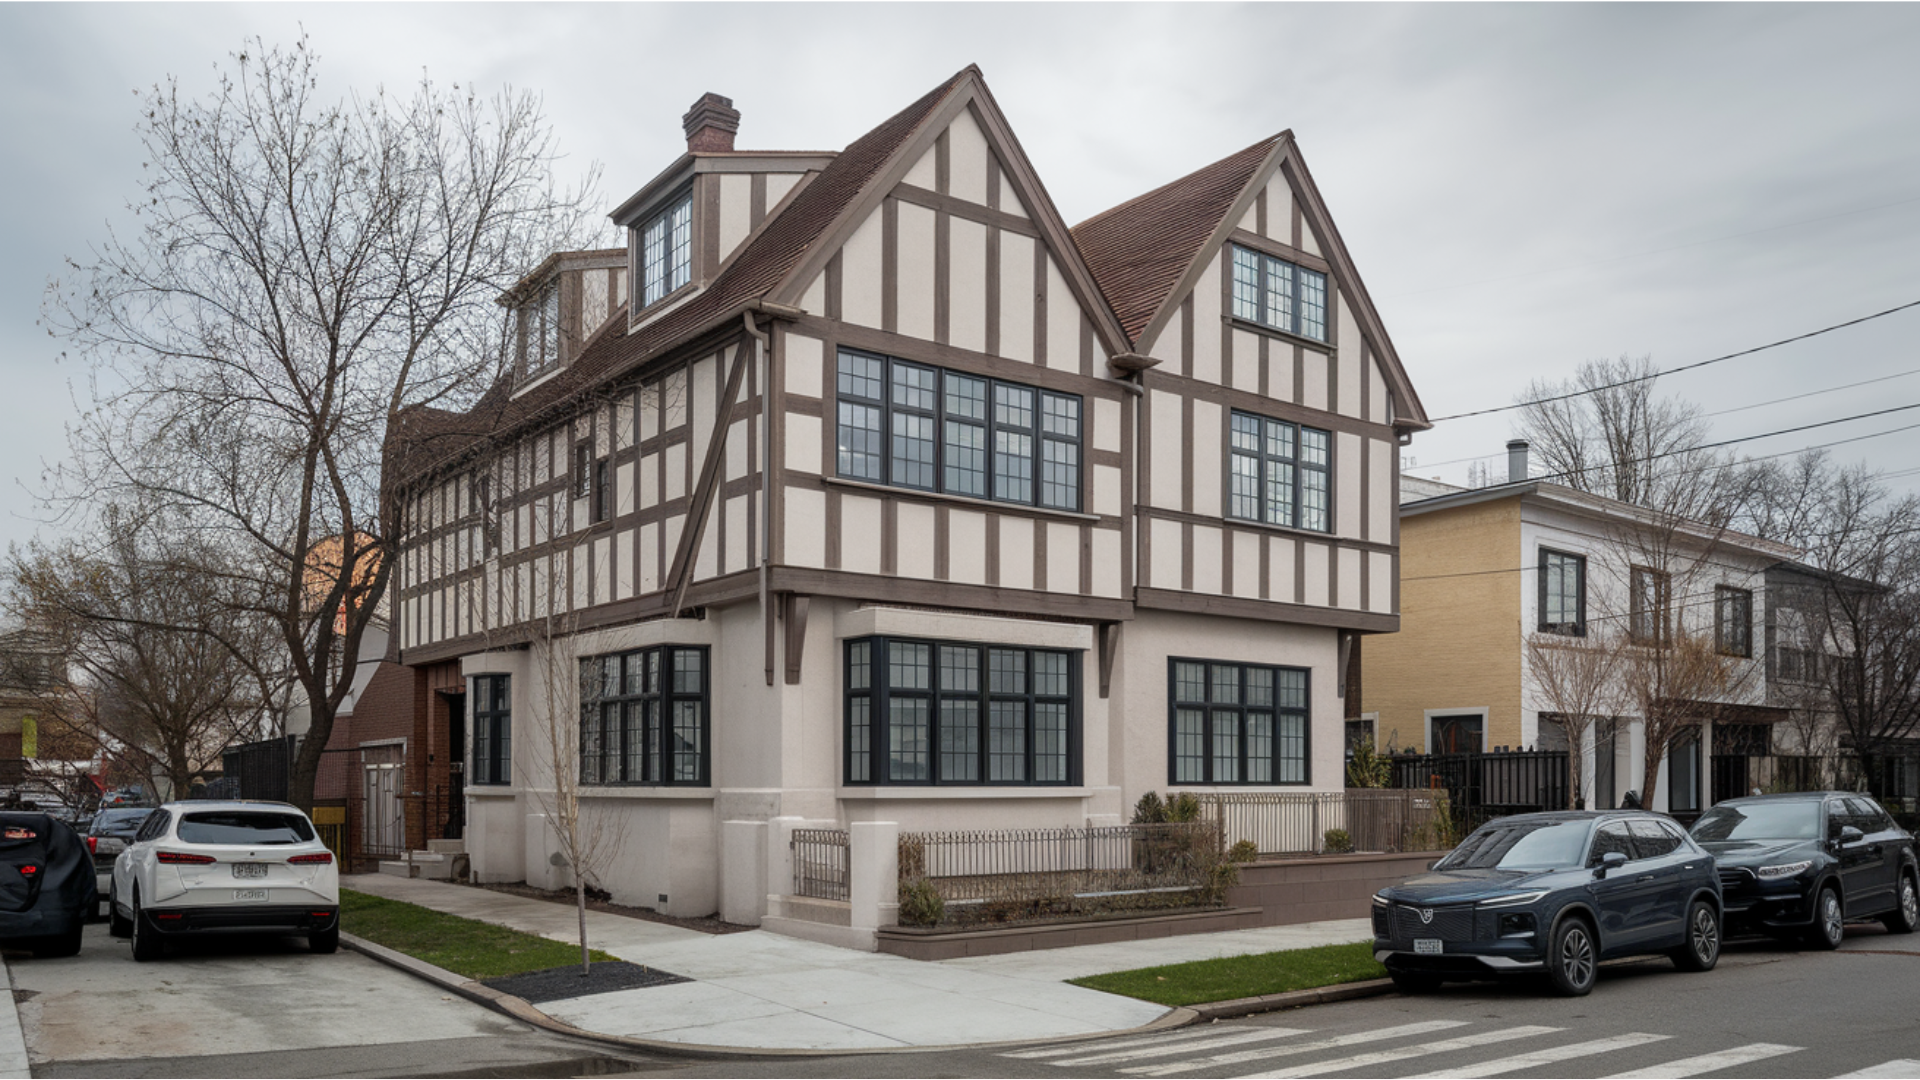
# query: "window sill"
1287,336
1284,530
962,500
492,791
644,791
910,792
536,381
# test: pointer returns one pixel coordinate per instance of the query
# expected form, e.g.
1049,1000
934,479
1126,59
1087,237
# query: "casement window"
644,717
492,730
945,712
1649,606
1563,593
602,490
583,470
1733,621
1279,294
536,338
480,493
666,251
909,425
1237,723
1281,473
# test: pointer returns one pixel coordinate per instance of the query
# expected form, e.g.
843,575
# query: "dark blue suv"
1552,894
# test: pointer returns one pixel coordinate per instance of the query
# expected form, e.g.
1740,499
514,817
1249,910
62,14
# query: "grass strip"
1233,977
469,947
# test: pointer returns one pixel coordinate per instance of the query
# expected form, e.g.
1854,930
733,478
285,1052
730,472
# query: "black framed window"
582,470
1648,606
537,340
1237,723
910,425
644,717
602,490
492,730
1280,473
1683,770
1276,293
1563,593
1733,620
949,712
666,250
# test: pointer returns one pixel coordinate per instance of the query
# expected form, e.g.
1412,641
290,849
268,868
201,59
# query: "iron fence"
1019,875
1484,786
1298,823
820,863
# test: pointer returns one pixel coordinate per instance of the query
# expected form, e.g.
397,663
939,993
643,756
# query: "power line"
1682,367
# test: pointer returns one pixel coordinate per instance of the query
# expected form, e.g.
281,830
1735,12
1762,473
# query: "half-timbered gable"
1274,402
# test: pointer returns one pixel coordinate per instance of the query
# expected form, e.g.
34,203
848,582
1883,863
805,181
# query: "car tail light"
93,845
169,915
320,859
29,870
321,914
183,857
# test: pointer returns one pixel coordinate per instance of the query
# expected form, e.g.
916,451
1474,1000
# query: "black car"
47,888
108,835
1552,894
1805,864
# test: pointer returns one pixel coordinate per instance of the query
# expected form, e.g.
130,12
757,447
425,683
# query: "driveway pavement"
249,1006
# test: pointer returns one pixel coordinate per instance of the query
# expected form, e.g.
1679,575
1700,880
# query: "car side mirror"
1433,864
1850,835
1612,860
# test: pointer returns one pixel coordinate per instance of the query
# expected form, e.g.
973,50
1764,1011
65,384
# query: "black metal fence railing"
1483,786
820,863
261,769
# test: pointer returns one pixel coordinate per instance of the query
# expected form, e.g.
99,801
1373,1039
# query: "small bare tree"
306,275
1577,680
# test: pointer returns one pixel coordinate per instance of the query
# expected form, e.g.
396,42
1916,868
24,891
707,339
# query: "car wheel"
146,944
1573,958
1905,915
1829,923
1414,982
1701,951
118,925
326,941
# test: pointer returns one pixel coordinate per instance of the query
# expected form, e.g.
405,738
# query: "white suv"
224,868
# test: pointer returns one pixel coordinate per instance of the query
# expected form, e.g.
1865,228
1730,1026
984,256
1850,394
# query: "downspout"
766,481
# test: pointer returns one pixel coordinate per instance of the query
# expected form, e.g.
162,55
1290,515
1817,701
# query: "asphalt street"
266,1007
1767,1010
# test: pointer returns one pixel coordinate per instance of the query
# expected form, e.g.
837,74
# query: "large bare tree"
1576,679
1606,432
304,269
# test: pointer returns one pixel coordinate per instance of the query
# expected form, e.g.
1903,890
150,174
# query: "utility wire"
1682,367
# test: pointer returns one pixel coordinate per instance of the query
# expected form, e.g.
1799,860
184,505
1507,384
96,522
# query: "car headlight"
1514,900
1784,870
1379,901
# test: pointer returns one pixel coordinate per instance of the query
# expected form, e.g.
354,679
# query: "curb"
1293,999
526,1012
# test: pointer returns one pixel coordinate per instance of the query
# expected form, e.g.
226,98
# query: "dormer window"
537,338
666,250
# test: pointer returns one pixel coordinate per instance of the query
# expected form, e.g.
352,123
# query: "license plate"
249,869
250,894
1426,946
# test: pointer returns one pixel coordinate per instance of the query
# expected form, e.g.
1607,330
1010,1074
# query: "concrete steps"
444,860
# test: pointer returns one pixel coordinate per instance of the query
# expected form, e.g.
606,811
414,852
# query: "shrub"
920,903
1243,851
1149,810
1337,841
1369,768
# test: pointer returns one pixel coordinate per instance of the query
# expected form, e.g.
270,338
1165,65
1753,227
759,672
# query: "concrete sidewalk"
758,990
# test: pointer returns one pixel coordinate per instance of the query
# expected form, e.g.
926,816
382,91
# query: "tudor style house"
860,488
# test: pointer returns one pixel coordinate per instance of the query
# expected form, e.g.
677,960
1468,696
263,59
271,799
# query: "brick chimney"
710,124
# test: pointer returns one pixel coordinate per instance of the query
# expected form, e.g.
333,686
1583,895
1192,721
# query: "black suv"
1807,863
1552,894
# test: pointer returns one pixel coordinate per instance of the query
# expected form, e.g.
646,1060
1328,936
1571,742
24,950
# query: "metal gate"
383,826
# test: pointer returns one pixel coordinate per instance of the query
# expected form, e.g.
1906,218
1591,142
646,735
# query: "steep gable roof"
1148,252
427,437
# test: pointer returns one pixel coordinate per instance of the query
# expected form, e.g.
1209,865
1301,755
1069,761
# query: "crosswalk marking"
1534,1058
1903,1067
1706,1063
1241,1057
1186,1035
1230,1038
1380,1057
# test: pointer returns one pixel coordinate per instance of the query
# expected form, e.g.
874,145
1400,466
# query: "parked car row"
174,871
1556,894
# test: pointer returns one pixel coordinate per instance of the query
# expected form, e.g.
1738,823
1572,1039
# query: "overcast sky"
1522,187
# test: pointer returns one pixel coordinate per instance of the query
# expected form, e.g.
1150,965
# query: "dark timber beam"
702,503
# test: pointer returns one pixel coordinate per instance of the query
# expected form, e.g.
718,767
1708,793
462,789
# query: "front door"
1866,876
456,766
383,830
1626,896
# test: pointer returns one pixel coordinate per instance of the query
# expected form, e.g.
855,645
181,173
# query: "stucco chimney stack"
711,124
1516,461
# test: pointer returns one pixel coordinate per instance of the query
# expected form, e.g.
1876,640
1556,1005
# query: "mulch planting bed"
567,982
